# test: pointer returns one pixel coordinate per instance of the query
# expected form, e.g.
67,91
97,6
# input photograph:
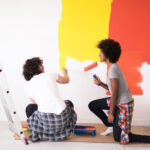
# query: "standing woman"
121,103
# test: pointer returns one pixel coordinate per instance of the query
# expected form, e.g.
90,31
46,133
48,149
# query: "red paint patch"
130,25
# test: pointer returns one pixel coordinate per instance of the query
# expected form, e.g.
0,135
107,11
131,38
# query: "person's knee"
32,106
30,109
90,105
68,102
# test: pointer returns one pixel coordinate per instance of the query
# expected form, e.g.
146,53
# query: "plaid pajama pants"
125,119
52,127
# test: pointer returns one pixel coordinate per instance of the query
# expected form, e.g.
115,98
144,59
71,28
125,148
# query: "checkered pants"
52,127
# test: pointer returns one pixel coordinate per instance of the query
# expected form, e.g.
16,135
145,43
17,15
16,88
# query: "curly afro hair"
31,67
111,49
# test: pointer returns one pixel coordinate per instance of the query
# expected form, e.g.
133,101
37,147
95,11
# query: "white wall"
29,28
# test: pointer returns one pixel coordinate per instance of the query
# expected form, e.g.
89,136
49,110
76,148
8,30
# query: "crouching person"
49,117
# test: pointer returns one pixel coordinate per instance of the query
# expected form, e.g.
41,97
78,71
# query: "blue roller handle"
95,77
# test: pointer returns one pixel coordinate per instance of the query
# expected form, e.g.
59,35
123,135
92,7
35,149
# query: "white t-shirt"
43,89
124,95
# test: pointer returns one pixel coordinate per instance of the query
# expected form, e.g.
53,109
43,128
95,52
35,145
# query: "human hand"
97,80
110,118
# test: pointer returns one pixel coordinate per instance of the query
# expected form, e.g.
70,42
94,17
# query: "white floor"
8,143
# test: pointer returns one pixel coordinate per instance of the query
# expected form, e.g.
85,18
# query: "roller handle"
95,77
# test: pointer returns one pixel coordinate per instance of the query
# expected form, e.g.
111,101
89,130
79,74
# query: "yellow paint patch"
83,23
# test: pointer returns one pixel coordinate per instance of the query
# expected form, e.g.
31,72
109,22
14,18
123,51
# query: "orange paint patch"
130,25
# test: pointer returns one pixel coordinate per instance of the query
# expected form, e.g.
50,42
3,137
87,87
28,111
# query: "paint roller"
91,66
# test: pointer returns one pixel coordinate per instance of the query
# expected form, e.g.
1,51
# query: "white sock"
108,131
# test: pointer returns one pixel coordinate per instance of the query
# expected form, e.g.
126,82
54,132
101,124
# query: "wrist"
100,82
111,112
65,74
